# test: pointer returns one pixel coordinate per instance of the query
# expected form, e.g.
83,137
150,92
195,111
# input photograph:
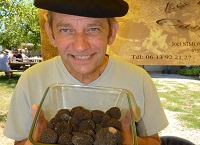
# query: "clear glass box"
62,96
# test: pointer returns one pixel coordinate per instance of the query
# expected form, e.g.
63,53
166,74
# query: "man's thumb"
34,109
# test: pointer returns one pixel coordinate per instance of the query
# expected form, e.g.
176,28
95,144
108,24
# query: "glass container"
62,96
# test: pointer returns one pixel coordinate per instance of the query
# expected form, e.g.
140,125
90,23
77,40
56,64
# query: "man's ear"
49,32
114,30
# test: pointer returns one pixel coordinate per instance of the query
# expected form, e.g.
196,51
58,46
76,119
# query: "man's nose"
80,42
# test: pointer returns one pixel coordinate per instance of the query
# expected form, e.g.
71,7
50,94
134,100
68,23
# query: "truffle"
74,120
105,120
90,132
63,127
63,115
114,123
82,139
108,121
97,116
65,139
88,124
108,136
64,111
52,123
114,112
81,113
48,136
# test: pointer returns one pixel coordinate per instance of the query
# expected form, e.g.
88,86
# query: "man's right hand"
41,124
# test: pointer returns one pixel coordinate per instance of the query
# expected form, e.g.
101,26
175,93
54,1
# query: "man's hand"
128,136
149,140
126,130
41,124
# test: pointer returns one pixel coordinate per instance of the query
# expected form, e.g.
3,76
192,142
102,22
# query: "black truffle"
63,115
48,136
108,136
90,132
65,139
74,120
97,116
82,139
52,123
81,113
63,127
105,120
114,123
114,112
108,121
64,111
85,125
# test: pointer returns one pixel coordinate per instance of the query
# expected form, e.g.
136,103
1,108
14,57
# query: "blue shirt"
4,62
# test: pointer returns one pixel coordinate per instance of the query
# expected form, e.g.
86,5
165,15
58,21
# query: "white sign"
159,32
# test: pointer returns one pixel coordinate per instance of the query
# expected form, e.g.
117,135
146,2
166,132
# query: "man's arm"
26,141
23,142
149,140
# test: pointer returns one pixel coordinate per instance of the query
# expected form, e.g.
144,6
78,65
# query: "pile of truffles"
83,127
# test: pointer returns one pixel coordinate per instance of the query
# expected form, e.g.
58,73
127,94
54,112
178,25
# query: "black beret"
86,8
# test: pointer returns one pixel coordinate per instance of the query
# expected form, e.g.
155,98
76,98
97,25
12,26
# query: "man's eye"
93,31
65,32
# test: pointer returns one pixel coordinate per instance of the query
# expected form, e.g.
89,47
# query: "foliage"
190,71
19,23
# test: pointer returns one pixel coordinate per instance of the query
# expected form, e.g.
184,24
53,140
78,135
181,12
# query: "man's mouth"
82,57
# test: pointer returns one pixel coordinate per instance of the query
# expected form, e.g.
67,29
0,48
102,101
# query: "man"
16,57
81,31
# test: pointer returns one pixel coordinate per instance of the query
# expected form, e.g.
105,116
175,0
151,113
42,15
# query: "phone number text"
166,57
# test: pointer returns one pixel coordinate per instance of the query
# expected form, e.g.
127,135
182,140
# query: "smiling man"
81,30
81,43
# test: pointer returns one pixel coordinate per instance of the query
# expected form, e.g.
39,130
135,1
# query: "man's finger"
34,109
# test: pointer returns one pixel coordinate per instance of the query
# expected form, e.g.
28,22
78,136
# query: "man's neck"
88,78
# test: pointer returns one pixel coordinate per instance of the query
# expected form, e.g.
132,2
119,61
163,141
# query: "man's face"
15,53
81,41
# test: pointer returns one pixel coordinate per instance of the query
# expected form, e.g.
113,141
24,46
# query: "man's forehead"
75,17
66,18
